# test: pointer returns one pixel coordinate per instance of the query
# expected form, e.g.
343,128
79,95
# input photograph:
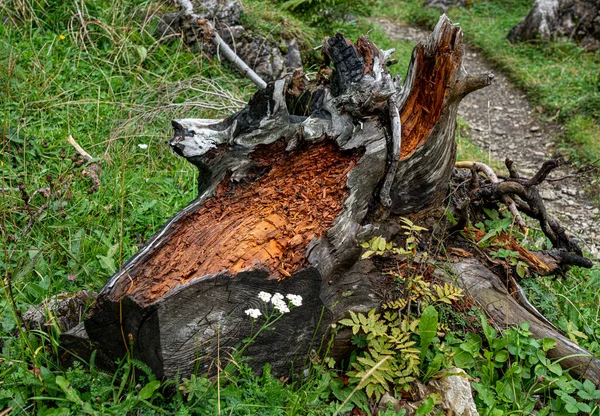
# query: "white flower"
295,299
143,146
253,313
277,297
264,296
281,306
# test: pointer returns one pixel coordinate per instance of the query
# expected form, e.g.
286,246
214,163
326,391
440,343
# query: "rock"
548,195
455,389
232,34
389,402
64,310
570,191
595,211
293,59
444,4
534,129
225,12
499,132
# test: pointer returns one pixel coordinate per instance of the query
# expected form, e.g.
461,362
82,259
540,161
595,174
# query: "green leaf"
484,394
488,331
427,329
367,254
426,407
501,356
472,344
464,360
148,390
556,369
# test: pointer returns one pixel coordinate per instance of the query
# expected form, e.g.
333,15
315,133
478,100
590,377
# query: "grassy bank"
559,77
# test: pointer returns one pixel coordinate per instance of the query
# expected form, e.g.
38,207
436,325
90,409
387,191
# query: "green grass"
558,76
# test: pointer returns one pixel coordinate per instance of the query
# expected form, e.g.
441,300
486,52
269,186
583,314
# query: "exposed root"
491,175
522,195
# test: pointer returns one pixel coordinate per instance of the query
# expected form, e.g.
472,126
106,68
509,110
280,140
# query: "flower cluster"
253,313
295,299
278,301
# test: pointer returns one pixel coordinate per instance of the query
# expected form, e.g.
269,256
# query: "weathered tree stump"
288,188
549,19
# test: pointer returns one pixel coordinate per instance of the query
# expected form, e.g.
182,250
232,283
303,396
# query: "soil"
502,122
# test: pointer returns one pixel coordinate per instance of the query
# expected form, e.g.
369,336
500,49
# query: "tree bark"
289,187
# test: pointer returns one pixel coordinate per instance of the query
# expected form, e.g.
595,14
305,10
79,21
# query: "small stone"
595,211
534,129
570,191
548,195
498,108
499,132
457,397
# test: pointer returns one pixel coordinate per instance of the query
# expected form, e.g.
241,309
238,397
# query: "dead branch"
92,170
188,10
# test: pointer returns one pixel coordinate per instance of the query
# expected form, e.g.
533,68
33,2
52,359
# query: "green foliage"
513,371
388,355
322,12
571,304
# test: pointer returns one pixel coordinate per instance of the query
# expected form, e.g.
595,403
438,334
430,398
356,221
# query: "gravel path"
503,124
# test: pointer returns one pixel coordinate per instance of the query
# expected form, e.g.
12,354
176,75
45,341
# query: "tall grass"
95,71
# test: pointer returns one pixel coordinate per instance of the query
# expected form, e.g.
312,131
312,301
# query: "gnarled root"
521,195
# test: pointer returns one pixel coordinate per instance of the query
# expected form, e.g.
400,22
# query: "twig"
79,149
93,169
188,10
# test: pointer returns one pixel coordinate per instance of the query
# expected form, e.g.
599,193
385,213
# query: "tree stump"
549,19
289,187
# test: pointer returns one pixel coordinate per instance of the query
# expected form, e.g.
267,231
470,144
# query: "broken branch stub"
288,187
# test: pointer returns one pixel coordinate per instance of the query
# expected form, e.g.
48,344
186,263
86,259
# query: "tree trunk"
549,19
288,188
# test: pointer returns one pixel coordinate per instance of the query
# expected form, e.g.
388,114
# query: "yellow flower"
62,37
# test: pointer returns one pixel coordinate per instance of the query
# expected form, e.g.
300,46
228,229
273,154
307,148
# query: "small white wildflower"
295,299
143,146
281,306
264,296
253,313
277,297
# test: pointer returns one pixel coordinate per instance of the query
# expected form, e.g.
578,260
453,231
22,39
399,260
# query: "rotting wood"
268,222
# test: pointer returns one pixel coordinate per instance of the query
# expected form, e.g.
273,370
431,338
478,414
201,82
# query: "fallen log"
288,188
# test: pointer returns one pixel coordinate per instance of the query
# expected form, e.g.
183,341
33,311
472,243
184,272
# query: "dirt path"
503,124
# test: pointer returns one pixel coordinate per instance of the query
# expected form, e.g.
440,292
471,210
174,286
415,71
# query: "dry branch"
210,32
92,170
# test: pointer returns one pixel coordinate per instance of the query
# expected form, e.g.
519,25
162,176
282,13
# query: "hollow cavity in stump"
266,223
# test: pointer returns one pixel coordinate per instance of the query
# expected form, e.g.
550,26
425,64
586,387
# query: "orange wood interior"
268,222
424,105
